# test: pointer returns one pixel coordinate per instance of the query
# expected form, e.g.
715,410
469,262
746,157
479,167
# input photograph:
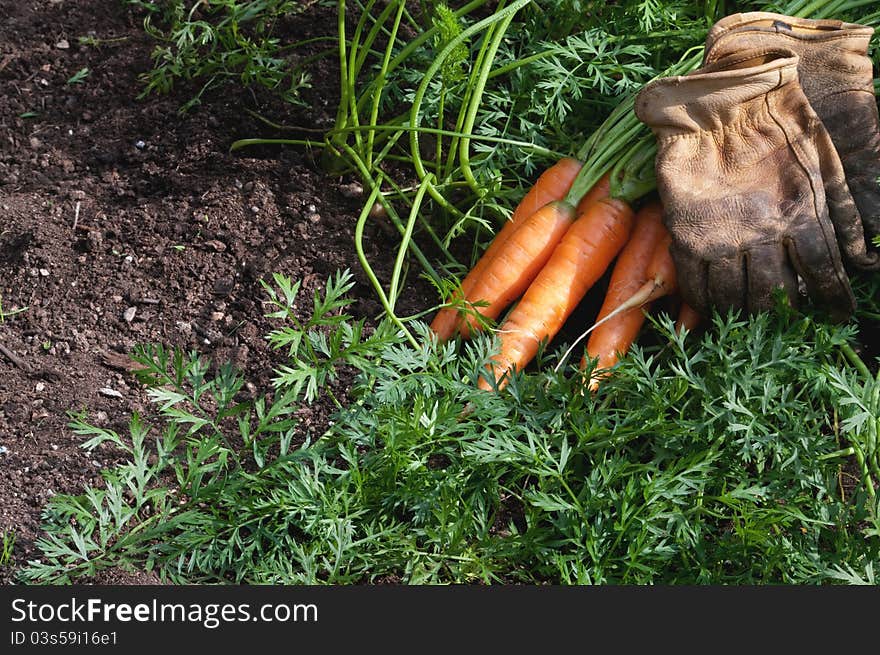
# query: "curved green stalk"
392,214
466,100
372,34
243,143
435,66
383,71
368,270
394,287
474,105
416,43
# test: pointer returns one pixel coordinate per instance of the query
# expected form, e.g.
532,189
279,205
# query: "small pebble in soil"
352,190
111,393
63,44
129,313
3,450
39,387
140,145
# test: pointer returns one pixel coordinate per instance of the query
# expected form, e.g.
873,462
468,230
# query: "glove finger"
692,276
852,123
767,269
842,209
866,192
727,282
818,262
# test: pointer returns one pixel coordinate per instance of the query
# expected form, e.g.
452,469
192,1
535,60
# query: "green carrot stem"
243,143
377,93
392,214
844,452
540,150
855,360
378,23
416,43
368,270
435,66
464,144
407,239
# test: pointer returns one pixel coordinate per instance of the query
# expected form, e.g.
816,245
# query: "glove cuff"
715,95
851,36
834,52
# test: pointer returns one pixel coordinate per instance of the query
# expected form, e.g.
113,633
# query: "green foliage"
7,547
730,459
448,30
215,41
79,76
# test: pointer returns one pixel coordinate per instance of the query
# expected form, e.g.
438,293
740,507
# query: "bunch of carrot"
555,247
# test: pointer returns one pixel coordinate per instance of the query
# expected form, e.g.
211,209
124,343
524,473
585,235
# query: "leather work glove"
836,76
753,190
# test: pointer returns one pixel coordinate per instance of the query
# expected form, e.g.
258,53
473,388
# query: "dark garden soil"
123,222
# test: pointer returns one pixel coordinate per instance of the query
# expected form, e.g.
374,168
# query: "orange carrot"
614,334
508,275
688,318
552,185
578,261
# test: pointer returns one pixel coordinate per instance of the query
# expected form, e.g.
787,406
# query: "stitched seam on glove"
817,210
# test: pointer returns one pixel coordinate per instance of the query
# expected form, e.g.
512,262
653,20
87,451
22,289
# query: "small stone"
140,145
217,316
352,190
3,450
63,44
107,391
216,245
255,209
129,313
54,446
35,142
314,218
39,387
44,272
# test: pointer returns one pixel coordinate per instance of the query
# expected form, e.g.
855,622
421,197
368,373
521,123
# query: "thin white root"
650,290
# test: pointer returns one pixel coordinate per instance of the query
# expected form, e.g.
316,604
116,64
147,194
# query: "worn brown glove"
753,190
836,76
